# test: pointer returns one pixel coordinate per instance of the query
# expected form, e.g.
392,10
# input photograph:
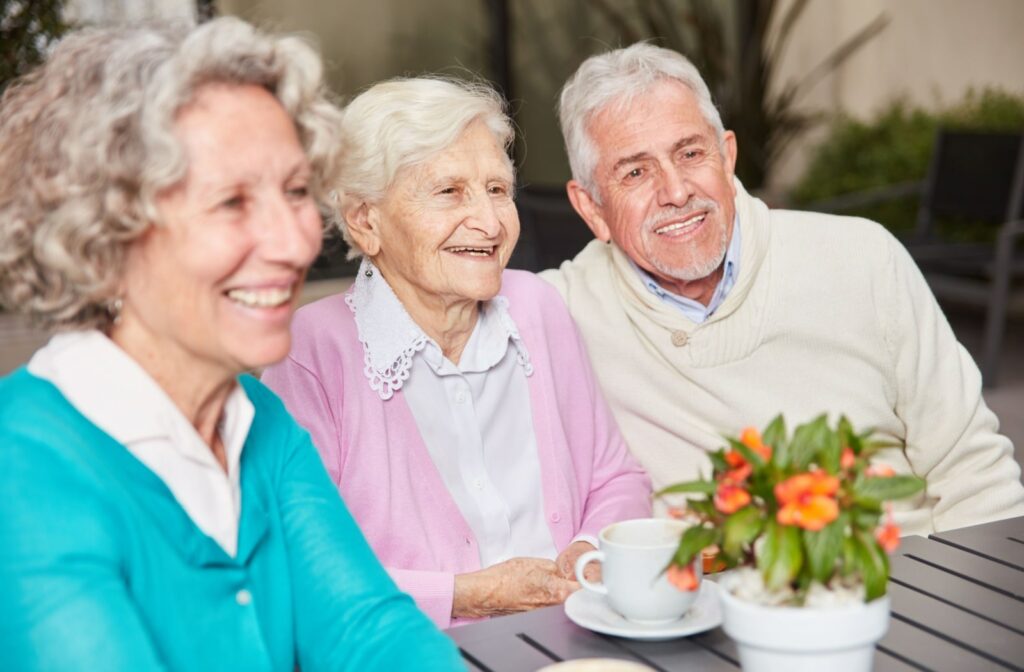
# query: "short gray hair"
617,77
403,122
87,142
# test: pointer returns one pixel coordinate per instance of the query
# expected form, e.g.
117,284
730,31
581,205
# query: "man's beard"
699,268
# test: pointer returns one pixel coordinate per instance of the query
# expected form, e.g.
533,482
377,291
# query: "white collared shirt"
474,417
117,395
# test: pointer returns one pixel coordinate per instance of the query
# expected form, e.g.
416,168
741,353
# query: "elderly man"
705,311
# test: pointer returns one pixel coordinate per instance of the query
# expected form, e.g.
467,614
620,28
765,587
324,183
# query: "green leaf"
702,507
830,452
851,563
749,455
887,487
865,518
807,440
874,566
740,529
823,548
774,434
704,487
694,540
781,556
718,462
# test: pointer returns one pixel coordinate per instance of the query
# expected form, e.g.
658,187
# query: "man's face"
665,188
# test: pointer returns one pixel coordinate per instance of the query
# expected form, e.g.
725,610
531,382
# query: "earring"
114,307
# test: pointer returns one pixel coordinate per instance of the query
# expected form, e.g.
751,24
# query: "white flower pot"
805,639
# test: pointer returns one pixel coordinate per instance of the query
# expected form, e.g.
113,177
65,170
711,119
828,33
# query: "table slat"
929,651
957,590
679,654
506,652
957,625
968,565
1002,541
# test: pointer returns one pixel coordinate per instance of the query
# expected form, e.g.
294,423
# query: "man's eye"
498,190
233,203
448,191
635,173
692,154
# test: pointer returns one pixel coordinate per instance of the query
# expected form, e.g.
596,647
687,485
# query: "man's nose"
675,188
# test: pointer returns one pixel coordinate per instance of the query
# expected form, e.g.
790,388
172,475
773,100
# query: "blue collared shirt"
694,310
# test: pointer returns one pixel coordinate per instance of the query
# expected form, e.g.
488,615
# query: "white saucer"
591,611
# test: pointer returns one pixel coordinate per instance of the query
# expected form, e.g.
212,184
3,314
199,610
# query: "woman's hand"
519,584
566,562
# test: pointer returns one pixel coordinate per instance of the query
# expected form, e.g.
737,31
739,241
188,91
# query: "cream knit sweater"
829,314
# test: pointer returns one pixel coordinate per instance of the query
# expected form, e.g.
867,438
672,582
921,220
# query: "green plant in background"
28,28
896,147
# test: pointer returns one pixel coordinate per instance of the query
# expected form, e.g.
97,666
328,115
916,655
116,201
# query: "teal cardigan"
101,569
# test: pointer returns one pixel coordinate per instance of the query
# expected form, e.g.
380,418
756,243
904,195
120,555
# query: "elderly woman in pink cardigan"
451,400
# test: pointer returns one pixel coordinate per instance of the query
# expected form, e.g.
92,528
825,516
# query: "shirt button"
460,397
478,484
243,598
679,338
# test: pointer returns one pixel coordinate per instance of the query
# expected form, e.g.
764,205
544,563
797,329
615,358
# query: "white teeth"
474,251
261,298
681,225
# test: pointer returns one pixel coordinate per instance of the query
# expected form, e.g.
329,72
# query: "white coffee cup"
633,556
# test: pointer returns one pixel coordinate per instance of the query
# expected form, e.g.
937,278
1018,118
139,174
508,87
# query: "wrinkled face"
666,187
216,283
445,229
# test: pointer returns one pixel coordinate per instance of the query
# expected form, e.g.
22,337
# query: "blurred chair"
551,230
977,179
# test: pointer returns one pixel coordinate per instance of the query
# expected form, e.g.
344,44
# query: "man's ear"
363,221
589,210
731,151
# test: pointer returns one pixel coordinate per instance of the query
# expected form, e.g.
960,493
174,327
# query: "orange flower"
808,500
683,578
751,438
888,536
730,498
846,461
880,470
737,475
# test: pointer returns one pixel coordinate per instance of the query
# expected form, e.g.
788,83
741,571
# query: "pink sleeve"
433,592
303,394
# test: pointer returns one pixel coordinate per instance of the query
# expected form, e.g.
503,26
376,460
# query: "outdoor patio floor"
18,342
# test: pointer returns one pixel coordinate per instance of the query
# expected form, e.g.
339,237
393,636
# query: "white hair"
618,77
404,122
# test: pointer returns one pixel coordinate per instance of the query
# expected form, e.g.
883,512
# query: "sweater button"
555,517
243,598
679,338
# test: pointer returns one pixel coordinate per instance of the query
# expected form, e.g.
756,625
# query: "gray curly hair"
87,142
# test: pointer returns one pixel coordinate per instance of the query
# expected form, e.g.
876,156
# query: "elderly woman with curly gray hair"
452,400
159,195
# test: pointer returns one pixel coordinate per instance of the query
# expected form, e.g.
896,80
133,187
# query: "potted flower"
803,517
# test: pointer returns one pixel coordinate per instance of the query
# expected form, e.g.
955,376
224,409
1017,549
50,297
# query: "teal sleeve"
63,597
348,612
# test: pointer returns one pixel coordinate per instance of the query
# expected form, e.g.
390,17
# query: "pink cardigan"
374,453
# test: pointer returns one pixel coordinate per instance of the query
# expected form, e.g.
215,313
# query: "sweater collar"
752,217
391,338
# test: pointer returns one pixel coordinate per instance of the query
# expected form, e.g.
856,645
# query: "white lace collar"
391,338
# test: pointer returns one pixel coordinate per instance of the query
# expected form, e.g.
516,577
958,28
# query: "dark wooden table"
957,604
